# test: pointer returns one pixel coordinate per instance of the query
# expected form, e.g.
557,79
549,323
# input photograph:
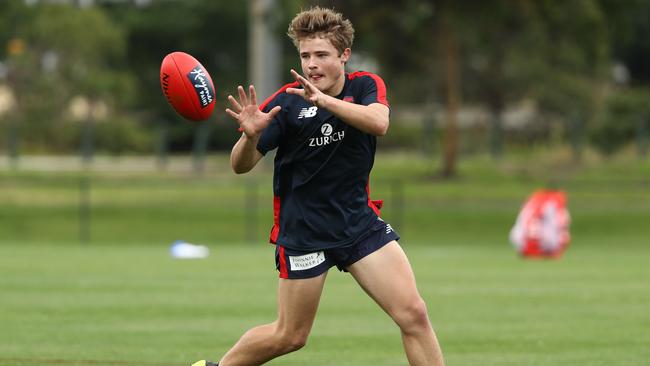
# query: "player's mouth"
316,77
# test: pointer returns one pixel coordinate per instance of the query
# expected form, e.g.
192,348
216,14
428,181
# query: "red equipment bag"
542,226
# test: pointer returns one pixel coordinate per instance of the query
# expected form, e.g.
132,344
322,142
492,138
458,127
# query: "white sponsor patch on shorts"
307,261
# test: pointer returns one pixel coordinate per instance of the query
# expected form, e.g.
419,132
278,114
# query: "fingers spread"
232,114
298,78
251,90
306,85
273,112
236,106
242,95
302,81
295,91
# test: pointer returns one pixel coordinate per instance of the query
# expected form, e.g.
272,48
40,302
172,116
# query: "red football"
187,86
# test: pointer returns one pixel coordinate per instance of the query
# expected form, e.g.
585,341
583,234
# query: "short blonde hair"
323,23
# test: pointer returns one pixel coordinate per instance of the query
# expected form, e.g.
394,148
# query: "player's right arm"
252,121
244,155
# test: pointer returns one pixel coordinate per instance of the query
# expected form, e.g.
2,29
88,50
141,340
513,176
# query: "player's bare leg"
386,276
297,305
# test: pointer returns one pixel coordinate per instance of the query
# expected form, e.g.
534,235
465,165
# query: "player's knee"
413,317
297,343
293,341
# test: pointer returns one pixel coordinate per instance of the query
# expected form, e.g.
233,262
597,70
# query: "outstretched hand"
252,121
309,92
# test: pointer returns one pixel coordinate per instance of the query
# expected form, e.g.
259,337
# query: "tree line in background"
68,72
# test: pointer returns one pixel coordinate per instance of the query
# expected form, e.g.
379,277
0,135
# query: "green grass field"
134,305
121,300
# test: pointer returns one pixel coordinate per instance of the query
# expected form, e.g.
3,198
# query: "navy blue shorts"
296,264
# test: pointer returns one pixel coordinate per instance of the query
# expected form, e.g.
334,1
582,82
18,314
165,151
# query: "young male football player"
325,126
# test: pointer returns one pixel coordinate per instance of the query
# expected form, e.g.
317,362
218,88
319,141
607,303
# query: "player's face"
322,64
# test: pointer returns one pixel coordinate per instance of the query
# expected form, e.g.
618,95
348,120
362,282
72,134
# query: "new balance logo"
307,112
388,229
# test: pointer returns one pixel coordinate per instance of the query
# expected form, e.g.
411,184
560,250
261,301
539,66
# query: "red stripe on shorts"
283,263
375,205
275,231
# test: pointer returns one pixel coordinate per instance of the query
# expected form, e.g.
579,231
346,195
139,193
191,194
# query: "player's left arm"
372,118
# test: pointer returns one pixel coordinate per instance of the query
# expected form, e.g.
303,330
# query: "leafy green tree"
554,53
625,114
214,32
69,52
629,26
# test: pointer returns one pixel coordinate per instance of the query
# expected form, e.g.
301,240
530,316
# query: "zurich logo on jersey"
328,137
326,129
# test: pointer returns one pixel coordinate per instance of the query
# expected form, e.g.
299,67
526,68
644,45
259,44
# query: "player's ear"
345,55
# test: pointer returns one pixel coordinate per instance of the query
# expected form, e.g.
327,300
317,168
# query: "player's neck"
337,88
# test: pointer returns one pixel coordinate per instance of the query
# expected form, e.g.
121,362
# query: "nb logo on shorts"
388,229
307,112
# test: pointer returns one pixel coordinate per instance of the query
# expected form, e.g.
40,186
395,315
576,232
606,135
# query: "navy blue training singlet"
322,167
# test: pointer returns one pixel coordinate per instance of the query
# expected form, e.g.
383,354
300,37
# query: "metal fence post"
496,136
162,146
250,216
397,204
13,143
576,125
88,142
642,137
84,209
201,140
428,131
